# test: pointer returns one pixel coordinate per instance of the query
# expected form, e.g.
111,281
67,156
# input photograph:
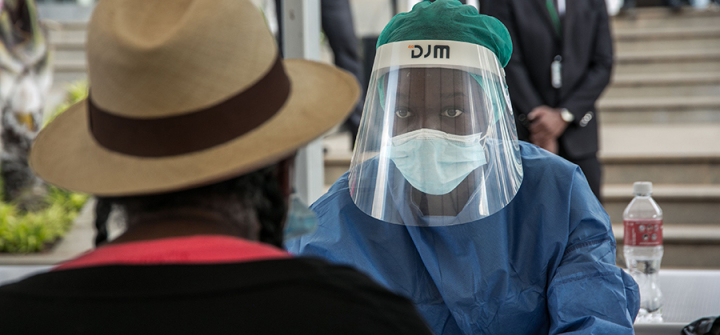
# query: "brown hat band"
199,130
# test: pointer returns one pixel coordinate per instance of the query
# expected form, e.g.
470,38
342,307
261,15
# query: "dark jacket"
585,46
288,296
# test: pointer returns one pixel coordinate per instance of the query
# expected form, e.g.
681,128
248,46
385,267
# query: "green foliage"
24,232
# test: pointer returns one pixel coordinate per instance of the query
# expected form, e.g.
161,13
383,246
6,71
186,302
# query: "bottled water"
643,250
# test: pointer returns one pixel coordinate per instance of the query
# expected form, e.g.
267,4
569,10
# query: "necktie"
554,16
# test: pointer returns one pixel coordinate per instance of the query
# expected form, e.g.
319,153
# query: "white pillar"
406,5
301,39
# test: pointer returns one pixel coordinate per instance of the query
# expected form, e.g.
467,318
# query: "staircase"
660,122
68,40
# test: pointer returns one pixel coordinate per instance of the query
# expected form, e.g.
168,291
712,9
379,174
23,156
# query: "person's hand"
547,122
546,127
547,144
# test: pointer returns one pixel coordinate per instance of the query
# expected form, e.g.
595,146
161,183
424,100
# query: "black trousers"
337,24
592,169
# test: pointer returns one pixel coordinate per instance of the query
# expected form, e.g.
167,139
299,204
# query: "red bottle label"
643,233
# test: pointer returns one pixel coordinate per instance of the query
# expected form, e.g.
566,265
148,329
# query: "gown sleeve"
588,293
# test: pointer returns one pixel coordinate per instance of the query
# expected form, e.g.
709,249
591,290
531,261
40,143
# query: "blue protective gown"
545,264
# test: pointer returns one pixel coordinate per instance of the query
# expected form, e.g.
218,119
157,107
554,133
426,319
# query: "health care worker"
442,203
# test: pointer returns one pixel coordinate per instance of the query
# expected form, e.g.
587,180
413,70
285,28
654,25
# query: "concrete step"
688,43
61,79
693,116
660,104
80,25
680,233
672,79
685,246
664,140
659,17
68,37
65,12
69,55
669,56
68,71
67,65
664,13
669,84
662,169
65,70
652,61
335,166
68,45
667,67
676,23
664,33
679,90
681,203
663,84
673,109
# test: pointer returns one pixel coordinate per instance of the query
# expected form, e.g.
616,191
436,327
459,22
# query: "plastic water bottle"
643,250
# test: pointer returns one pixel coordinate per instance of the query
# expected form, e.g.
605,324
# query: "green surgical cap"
449,20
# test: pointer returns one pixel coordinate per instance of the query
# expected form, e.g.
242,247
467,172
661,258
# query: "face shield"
437,144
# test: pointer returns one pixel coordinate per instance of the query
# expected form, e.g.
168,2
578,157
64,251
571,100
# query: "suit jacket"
587,57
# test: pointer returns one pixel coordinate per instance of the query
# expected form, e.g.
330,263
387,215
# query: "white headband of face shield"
437,53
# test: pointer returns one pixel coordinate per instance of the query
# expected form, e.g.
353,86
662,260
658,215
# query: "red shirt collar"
202,249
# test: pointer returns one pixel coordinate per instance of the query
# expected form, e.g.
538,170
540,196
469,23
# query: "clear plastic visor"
437,143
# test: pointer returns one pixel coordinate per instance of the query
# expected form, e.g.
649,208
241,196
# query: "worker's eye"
451,112
402,112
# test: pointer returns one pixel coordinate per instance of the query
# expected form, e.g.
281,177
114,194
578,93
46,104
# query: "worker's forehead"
433,74
426,80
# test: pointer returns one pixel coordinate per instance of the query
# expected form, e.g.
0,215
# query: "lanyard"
554,16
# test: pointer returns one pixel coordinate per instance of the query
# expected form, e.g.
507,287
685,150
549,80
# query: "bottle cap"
642,187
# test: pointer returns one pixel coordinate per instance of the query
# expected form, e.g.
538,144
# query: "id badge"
556,72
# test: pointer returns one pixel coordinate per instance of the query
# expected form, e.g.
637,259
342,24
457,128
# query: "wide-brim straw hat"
185,93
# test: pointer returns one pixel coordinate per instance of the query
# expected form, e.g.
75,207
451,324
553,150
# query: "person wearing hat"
443,204
191,126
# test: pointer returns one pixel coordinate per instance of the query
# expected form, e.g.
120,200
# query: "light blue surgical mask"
436,162
300,219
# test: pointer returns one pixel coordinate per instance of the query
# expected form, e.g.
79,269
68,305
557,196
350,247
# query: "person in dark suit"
337,24
561,63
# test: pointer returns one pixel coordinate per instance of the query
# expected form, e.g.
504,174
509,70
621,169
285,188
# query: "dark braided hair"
256,197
